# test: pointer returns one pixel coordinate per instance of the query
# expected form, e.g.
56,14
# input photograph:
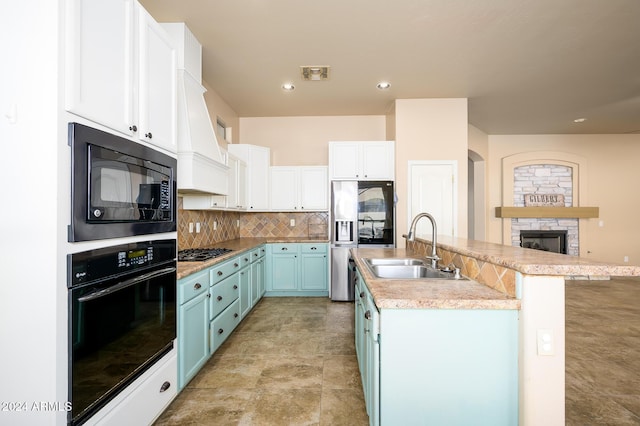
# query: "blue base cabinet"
211,304
193,325
297,269
437,366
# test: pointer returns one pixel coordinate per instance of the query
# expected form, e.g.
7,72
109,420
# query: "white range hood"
200,166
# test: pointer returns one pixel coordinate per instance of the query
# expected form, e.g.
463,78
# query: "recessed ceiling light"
579,120
383,85
288,87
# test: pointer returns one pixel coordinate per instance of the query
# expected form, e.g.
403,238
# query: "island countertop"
427,293
534,262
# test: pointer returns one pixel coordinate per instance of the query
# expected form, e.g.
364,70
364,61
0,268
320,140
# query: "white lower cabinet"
144,400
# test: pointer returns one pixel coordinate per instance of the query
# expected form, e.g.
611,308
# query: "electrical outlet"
545,342
215,225
292,222
238,223
601,224
626,259
197,227
191,227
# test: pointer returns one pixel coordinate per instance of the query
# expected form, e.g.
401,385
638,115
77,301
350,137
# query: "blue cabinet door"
245,290
193,337
313,268
284,272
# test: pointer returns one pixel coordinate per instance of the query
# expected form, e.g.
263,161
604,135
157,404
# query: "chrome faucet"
434,235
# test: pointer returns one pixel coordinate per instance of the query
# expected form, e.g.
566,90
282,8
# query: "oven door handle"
125,284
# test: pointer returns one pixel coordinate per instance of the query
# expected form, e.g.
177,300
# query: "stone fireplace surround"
543,172
544,179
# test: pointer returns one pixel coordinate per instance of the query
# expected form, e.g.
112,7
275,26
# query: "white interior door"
432,189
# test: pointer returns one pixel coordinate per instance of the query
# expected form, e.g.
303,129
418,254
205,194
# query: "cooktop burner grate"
200,254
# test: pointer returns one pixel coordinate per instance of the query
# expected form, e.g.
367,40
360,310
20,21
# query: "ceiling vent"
315,72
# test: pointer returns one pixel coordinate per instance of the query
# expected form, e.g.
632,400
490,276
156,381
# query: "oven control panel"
135,257
98,264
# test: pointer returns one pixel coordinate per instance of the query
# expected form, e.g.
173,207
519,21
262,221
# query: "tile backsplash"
230,225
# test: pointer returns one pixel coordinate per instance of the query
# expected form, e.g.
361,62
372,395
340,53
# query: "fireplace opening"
552,241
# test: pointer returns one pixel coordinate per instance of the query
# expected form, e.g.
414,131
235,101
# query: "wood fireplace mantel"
548,212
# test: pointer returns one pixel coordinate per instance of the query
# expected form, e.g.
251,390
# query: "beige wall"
303,141
218,107
430,129
612,175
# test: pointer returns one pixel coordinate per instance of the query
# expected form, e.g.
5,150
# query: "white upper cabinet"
100,62
121,70
257,159
157,104
314,187
361,160
299,188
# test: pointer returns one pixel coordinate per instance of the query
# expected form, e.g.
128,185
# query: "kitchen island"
526,282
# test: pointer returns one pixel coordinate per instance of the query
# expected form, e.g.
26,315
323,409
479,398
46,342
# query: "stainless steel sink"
407,269
394,261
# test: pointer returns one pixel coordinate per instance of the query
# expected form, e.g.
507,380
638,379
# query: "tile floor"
292,362
603,352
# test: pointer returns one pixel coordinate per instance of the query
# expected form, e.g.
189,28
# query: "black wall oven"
122,319
119,188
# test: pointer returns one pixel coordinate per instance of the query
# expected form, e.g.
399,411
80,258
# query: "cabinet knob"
362,294
235,265
367,315
197,286
246,259
165,386
220,331
148,135
235,287
133,128
284,249
219,273
235,315
219,298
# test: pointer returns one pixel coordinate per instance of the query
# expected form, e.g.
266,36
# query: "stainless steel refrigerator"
362,214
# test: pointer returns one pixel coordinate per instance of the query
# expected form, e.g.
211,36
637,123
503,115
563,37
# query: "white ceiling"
527,66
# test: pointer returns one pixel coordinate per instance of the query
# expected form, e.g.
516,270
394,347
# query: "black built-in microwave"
119,188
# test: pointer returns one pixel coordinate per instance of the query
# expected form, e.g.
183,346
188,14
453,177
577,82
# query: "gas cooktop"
200,254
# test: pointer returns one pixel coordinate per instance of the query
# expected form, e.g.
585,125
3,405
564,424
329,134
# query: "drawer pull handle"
165,386
219,273
362,294
255,254
235,315
219,298
148,135
235,264
197,286
220,331
133,128
246,259
284,249
314,248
